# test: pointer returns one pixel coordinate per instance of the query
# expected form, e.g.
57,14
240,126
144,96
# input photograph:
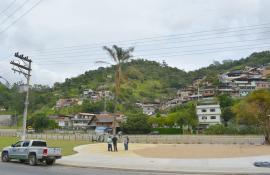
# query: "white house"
149,109
208,114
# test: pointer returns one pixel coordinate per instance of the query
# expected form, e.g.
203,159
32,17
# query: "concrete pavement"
94,155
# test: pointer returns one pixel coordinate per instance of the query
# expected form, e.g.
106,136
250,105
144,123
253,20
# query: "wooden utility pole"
23,66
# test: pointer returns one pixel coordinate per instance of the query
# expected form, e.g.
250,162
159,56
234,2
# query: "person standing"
114,140
126,141
110,142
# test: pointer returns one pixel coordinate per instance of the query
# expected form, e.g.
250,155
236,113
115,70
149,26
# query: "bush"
215,129
136,124
168,130
231,130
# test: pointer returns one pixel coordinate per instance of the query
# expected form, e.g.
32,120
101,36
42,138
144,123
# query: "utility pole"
105,101
23,66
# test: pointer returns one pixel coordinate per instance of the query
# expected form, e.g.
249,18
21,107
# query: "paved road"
14,168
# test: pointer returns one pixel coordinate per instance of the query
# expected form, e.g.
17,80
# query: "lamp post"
105,97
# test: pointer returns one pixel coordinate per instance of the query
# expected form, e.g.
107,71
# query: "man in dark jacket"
114,139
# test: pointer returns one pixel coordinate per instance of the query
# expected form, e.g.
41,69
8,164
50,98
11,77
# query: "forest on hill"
142,80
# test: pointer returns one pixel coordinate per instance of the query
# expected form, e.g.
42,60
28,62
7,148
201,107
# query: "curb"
166,171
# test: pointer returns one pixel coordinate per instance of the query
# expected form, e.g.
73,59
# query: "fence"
155,139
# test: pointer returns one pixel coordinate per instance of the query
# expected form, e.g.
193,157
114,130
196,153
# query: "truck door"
24,149
14,151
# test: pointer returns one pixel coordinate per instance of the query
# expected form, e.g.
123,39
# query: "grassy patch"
66,145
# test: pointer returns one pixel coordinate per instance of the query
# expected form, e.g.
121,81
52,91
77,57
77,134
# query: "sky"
64,38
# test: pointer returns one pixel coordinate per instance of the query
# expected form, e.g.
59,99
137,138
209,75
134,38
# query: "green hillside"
142,80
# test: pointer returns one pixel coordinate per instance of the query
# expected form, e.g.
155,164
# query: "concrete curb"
209,171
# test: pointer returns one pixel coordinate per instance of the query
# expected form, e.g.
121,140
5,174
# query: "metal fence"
154,139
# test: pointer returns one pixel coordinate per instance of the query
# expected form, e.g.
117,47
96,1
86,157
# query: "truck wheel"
50,161
32,160
5,157
22,160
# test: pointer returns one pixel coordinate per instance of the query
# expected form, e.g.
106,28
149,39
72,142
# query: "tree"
255,108
136,124
226,102
119,55
39,122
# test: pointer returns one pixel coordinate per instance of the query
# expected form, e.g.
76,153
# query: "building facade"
208,114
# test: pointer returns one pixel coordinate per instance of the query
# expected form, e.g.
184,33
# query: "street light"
105,95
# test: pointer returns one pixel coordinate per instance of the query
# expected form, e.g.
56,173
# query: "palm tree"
119,56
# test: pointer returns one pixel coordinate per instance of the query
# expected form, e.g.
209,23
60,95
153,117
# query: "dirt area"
187,151
202,151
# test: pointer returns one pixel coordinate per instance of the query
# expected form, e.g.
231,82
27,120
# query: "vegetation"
182,116
119,55
40,122
255,110
141,81
66,145
232,130
136,124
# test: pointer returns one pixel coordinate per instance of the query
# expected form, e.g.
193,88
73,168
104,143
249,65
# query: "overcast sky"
64,38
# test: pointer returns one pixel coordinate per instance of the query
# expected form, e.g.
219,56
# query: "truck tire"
50,161
32,160
5,157
22,160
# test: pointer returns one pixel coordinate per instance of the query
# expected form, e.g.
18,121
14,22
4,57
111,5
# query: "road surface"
15,168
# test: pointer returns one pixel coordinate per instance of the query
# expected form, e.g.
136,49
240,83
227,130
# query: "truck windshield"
39,144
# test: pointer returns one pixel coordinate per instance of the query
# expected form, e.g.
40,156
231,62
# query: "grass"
66,145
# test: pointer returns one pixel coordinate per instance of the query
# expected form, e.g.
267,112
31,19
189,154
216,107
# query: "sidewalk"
94,155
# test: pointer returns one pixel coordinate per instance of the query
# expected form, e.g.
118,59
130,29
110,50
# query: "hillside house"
149,109
208,114
63,121
82,120
208,92
172,103
61,103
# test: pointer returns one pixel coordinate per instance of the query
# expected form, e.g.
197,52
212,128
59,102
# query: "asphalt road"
15,168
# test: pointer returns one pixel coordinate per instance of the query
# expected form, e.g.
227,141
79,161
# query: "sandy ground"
187,151
203,151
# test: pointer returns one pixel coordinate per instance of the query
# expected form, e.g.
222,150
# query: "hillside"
145,80
142,80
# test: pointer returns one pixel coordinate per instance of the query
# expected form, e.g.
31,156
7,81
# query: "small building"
82,120
149,109
208,114
61,103
208,92
63,121
172,103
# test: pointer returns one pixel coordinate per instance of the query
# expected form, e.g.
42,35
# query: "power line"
25,13
193,40
68,54
169,54
10,5
136,41
15,11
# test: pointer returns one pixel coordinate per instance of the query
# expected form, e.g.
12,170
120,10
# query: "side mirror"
12,145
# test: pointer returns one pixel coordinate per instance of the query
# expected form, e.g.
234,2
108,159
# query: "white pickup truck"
33,151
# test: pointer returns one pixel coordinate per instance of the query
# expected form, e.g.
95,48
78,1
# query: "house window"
204,118
203,110
212,110
213,117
